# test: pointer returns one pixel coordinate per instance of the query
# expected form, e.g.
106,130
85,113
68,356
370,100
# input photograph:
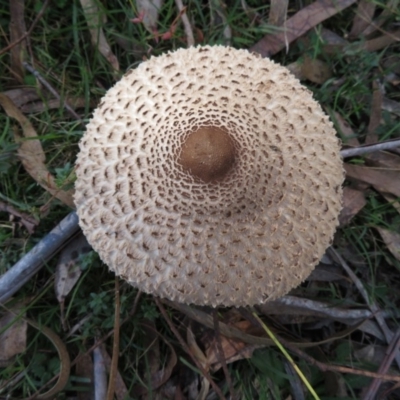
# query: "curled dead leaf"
32,155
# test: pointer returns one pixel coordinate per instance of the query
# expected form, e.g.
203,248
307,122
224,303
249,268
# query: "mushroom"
209,175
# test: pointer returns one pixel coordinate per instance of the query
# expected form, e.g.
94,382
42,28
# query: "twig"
186,348
390,144
29,31
186,24
305,306
221,355
385,365
115,355
30,263
50,88
337,368
372,305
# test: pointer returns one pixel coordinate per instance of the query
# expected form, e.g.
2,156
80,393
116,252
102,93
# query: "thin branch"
337,368
50,88
29,31
390,144
31,262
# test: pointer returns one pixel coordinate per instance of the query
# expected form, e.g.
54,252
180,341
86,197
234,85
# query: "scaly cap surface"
209,176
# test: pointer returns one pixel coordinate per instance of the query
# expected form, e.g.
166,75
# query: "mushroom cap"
248,228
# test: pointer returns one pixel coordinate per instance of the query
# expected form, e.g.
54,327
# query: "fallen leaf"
383,159
40,106
387,181
277,12
353,202
363,18
315,70
390,8
13,339
95,19
68,270
150,9
17,30
392,241
327,273
296,26
32,155
29,222
382,41
233,349
22,95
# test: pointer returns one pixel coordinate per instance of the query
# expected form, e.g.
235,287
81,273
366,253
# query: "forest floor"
75,330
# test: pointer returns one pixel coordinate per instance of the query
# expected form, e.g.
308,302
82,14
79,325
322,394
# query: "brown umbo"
209,175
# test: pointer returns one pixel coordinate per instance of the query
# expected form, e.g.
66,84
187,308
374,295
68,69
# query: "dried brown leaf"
150,10
392,241
383,159
40,106
316,71
278,12
29,222
233,349
327,273
17,30
95,19
363,18
383,41
391,8
68,270
386,181
32,155
22,95
13,339
296,26
353,202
